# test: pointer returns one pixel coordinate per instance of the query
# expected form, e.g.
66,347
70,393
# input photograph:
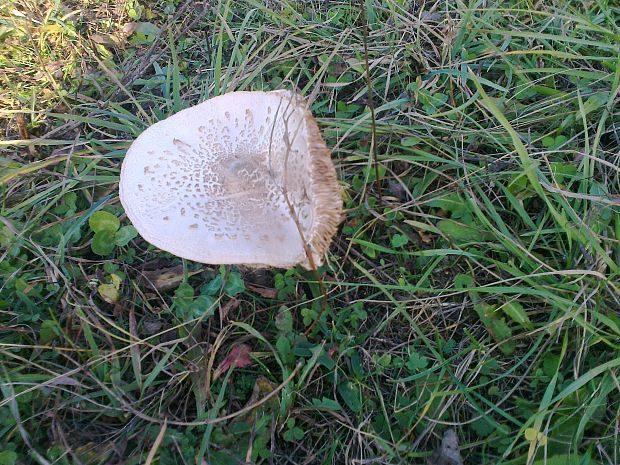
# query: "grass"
473,284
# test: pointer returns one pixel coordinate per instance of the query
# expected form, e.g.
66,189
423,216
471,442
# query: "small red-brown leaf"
239,357
333,350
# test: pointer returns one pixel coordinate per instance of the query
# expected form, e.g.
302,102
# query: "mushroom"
244,178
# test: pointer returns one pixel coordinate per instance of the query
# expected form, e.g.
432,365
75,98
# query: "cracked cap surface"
219,182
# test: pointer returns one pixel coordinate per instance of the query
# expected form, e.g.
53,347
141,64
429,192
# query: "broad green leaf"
327,404
398,240
103,243
109,293
371,252
416,361
383,361
553,143
213,287
517,313
595,102
234,284
548,142
463,281
184,296
483,427
294,434
326,361
184,291
350,393
202,306
551,363
560,140
451,202
409,141
496,326
563,172
284,320
147,28
357,366
501,332
48,331
283,346
6,235
308,316
103,221
565,459
8,457
124,235
462,232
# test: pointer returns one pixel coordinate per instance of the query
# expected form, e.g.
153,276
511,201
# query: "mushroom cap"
244,178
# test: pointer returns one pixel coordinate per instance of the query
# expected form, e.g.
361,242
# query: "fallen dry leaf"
262,387
426,237
109,293
255,408
397,189
266,292
55,68
129,28
448,452
152,326
239,357
232,304
164,279
102,39
260,277
64,381
22,127
13,328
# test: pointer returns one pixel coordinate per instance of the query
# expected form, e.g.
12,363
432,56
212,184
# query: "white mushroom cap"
221,182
